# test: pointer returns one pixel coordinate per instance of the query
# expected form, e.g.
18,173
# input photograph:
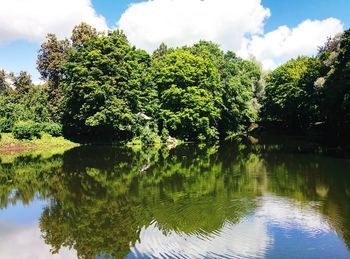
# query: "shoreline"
9,146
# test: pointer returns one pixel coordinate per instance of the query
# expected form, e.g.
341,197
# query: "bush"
6,125
26,130
148,137
53,129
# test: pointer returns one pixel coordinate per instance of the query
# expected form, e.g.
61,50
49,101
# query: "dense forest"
100,88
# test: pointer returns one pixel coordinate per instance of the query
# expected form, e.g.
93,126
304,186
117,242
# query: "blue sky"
143,25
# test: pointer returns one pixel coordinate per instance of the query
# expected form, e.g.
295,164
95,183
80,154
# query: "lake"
271,198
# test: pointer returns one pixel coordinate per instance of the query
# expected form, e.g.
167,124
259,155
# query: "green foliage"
106,86
238,83
188,89
291,94
81,35
6,124
53,129
26,130
337,86
240,80
23,83
21,106
3,82
51,56
309,90
148,136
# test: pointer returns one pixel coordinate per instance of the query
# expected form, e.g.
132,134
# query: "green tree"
239,80
337,86
292,96
188,90
23,82
3,82
106,85
81,34
51,56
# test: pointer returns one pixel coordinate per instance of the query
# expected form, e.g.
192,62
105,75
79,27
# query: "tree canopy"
101,88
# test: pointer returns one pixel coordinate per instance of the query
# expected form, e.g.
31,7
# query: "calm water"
276,199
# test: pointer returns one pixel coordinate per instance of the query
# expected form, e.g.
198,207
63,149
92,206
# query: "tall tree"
23,82
52,54
239,80
3,82
291,93
337,86
81,34
188,92
106,86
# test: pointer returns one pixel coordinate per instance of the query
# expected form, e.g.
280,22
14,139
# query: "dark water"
276,199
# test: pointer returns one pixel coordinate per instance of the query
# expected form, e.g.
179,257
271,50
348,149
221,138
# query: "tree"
106,86
337,86
3,82
23,82
239,81
52,54
161,51
292,95
188,90
81,34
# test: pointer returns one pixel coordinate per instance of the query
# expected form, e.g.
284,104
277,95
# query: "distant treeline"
100,88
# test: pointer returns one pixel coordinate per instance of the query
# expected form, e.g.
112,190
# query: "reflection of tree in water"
101,197
316,178
106,201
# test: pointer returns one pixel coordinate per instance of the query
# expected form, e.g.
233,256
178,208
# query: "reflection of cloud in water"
24,241
249,238
289,214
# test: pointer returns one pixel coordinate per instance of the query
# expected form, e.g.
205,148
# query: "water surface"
272,199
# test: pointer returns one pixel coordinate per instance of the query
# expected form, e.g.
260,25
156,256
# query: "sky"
272,31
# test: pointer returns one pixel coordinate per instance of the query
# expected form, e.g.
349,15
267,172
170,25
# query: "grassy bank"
46,145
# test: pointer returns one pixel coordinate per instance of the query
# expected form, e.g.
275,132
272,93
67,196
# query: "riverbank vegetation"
11,147
99,88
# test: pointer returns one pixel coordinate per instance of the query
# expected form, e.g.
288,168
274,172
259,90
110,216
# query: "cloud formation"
285,43
182,22
33,19
234,24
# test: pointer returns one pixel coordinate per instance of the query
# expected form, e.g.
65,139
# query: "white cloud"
248,238
181,22
285,43
33,19
25,242
234,24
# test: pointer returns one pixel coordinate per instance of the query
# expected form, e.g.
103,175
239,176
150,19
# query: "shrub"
53,129
148,136
6,125
26,130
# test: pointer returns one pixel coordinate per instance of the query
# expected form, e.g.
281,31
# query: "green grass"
46,146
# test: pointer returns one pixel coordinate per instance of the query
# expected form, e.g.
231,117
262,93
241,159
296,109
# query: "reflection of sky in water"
20,234
23,214
279,228
24,242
